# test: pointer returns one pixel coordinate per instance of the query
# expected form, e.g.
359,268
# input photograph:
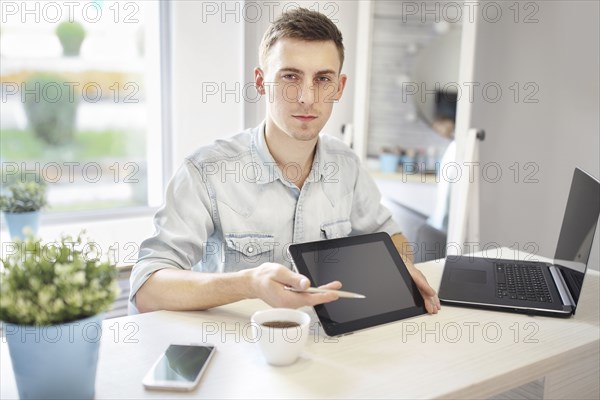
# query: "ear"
259,80
341,86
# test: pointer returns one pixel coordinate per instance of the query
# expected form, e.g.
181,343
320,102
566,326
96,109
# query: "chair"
427,233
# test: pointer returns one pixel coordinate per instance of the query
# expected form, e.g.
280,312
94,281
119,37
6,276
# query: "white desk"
459,353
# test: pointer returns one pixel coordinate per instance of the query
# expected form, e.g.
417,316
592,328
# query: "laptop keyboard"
521,282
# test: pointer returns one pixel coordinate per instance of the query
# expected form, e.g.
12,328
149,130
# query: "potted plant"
22,205
52,297
71,35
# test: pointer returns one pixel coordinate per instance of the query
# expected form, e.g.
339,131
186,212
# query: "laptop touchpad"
468,276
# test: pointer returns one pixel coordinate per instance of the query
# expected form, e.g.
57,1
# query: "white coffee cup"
280,345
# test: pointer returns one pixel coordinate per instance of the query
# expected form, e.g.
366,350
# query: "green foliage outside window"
51,110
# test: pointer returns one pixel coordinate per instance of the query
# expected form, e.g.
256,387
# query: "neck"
294,157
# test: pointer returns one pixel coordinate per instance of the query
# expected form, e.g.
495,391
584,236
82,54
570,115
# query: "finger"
335,285
435,304
321,298
430,305
296,299
422,283
290,278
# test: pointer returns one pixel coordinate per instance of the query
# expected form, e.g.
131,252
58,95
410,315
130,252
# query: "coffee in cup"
281,334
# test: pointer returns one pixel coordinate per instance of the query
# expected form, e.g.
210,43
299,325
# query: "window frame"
166,144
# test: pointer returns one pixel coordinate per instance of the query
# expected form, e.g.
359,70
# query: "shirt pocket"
336,229
247,250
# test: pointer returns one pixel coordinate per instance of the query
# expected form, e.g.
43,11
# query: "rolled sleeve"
368,214
182,227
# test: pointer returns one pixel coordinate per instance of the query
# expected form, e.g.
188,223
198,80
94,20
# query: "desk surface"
458,353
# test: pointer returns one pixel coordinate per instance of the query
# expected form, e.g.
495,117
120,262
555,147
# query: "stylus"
340,293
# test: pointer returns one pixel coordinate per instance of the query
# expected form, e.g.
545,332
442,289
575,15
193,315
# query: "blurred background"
102,100
81,100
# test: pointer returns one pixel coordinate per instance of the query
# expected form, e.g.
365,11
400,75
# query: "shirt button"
250,249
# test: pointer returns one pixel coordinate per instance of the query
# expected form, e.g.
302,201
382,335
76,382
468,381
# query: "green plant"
71,35
51,111
54,283
25,196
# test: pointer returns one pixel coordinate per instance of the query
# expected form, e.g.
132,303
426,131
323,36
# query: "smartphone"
180,367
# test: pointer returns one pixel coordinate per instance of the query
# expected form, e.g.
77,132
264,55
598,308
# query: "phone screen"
181,363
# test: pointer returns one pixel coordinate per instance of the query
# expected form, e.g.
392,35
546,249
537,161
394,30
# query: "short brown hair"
303,24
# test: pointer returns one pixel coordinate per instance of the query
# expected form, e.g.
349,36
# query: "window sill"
122,234
96,215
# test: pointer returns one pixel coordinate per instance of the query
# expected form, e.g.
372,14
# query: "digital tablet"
365,264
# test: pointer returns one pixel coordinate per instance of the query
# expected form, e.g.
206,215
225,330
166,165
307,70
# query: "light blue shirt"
229,207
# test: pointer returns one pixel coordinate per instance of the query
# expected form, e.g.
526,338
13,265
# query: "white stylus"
340,293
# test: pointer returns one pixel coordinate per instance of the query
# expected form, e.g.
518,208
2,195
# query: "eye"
324,79
290,77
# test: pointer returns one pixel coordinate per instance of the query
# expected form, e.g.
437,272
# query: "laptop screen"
577,232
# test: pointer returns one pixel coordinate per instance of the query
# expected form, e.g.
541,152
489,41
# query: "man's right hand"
268,282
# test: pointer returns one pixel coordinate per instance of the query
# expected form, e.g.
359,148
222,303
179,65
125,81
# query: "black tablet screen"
365,268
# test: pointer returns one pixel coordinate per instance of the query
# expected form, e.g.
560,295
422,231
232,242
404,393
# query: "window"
81,101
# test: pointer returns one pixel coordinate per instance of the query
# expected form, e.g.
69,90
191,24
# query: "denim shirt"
229,207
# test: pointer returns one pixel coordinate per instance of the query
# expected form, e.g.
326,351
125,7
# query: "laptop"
535,288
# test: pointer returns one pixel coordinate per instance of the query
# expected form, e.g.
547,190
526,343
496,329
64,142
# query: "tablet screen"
366,264
367,269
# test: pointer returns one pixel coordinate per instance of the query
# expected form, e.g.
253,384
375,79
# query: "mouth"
305,117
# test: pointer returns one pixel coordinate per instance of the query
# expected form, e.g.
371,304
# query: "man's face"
301,83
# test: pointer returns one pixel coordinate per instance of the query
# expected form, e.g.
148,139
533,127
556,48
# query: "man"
236,205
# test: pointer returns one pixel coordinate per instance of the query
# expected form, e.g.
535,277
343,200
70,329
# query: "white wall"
560,56
347,17
205,51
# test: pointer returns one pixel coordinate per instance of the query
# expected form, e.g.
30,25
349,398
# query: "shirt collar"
267,167
318,166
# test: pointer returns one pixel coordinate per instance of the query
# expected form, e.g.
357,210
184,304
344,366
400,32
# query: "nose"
307,93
